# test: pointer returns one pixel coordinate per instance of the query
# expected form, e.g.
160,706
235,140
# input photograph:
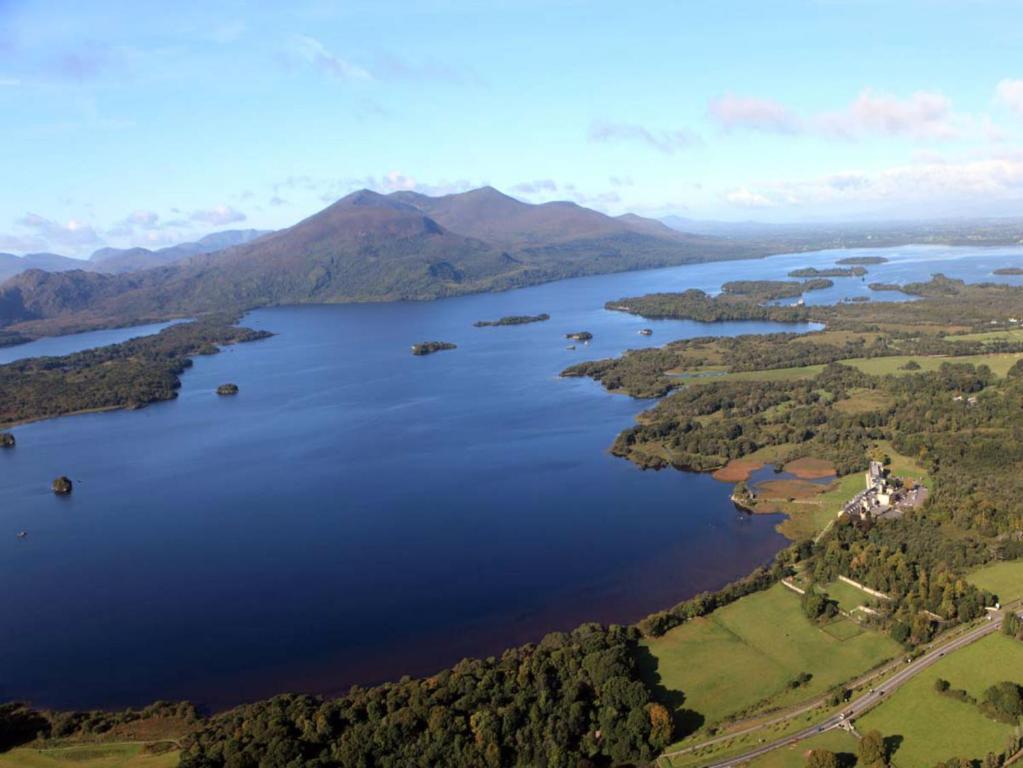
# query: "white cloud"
535,187
21,244
316,53
923,115
144,219
396,181
929,180
218,215
72,234
1009,93
732,112
745,198
667,142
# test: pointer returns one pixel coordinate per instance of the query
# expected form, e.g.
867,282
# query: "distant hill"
115,260
366,247
11,265
118,260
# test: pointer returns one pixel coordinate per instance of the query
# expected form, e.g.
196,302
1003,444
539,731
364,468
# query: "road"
864,703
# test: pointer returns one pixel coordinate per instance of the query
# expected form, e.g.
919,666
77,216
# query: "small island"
863,260
227,389
579,336
7,440
773,290
828,272
513,320
1009,271
884,287
62,486
429,347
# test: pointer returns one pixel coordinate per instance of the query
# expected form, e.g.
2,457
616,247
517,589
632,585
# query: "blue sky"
148,124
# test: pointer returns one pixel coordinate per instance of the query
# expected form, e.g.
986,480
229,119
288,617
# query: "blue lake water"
357,513
64,345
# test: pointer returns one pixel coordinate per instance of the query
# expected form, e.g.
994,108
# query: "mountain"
368,247
115,260
85,298
497,218
11,265
651,226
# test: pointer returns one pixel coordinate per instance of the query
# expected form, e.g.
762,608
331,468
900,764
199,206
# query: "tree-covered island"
513,320
429,347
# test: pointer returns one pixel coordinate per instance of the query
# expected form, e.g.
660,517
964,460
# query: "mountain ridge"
367,246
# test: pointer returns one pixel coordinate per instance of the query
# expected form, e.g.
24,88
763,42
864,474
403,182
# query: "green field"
1013,334
999,363
848,596
116,755
747,652
809,516
935,727
838,741
1003,579
864,401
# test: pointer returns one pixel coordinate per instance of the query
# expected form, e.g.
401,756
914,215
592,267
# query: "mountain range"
365,247
117,260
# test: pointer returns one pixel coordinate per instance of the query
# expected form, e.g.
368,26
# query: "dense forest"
572,699
127,375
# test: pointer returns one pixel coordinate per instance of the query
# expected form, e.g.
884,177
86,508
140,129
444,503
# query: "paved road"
864,703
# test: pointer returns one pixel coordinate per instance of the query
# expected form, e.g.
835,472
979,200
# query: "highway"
864,703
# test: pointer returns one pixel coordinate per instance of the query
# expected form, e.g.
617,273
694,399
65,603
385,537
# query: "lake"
357,513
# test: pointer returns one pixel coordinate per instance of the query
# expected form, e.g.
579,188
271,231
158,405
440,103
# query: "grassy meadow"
1003,579
794,756
746,654
114,755
933,727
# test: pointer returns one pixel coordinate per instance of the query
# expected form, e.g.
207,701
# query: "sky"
148,124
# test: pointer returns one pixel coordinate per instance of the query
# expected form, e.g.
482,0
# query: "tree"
1011,625
817,605
661,725
822,758
899,633
1004,701
872,751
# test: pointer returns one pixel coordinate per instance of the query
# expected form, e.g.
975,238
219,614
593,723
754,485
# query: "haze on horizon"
129,126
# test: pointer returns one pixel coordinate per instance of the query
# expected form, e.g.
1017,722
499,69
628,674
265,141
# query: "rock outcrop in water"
227,389
62,486
429,347
7,440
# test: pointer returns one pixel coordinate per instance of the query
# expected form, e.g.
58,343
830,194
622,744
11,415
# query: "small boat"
646,332
570,346
22,534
